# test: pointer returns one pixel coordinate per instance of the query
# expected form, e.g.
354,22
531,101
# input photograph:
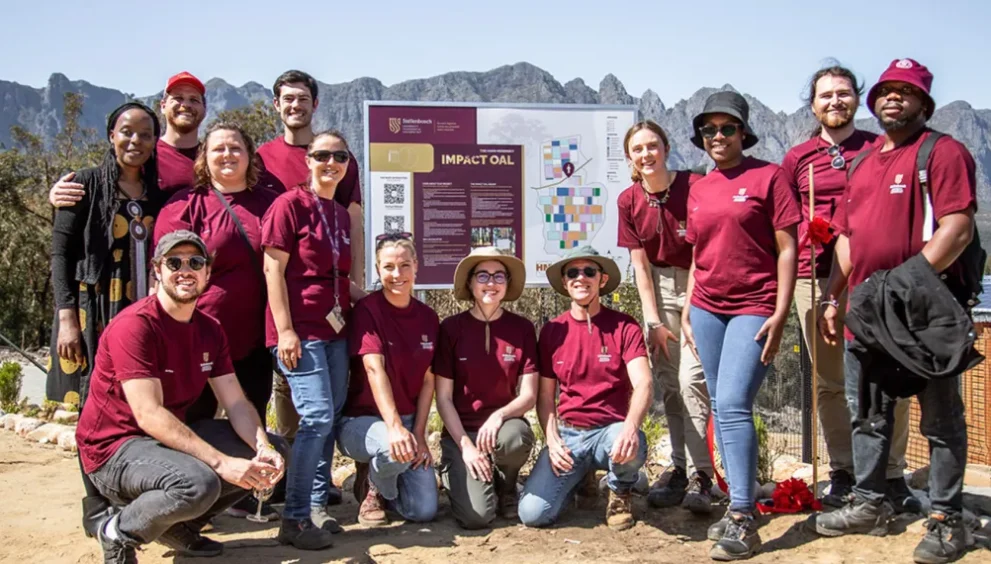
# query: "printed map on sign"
573,211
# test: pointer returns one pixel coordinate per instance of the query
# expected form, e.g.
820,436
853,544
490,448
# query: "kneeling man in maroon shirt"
599,359
165,479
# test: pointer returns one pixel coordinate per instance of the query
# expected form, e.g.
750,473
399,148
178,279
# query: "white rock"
26,425
63,416
67,440
47,433
10,421
341,475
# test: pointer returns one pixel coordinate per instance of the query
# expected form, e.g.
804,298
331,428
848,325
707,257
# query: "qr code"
395,194
395,224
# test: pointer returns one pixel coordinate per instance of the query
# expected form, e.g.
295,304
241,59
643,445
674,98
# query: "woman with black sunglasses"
305,235
100,258
652,217
742,222
484,355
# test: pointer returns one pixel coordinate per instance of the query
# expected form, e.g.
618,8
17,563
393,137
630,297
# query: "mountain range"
39,110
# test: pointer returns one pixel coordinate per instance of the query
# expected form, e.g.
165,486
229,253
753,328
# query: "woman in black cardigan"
100,252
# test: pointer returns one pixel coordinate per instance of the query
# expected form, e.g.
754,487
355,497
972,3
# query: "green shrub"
10,385
654,428
766,455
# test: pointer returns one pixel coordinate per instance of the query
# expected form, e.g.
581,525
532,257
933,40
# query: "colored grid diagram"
572,215
556,154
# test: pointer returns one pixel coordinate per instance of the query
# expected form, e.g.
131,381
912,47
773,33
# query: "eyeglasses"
838,162
728,130
325,156
483,277
904,90
175,264
588,271
386,237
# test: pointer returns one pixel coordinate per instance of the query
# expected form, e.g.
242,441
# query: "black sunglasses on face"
196,262
385,237
588,271
483,277
728,130
325,156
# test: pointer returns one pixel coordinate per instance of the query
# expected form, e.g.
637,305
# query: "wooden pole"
813,329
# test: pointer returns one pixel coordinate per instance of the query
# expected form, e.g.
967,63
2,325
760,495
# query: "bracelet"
651,325
833,303
260,446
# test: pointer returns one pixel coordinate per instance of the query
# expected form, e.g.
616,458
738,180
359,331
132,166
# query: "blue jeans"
733,373
545,494
410,492
319,386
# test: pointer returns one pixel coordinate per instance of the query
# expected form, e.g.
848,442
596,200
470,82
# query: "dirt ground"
39,522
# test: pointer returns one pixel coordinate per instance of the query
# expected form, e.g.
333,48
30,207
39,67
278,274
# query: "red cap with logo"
908,71
185,78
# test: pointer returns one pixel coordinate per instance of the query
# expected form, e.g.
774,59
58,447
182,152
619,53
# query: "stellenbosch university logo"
395,125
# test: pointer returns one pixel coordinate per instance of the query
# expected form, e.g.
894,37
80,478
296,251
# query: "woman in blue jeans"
742,222
307,262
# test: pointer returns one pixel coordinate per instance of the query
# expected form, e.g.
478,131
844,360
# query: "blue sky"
671,47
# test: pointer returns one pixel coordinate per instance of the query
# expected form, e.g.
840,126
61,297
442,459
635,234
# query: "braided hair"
108,173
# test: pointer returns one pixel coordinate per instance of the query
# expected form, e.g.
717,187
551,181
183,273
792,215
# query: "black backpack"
974,257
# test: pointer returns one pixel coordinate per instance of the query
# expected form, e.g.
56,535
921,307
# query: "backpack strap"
856,162
922,164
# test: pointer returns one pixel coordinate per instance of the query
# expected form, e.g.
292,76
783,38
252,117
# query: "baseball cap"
185,78
179,237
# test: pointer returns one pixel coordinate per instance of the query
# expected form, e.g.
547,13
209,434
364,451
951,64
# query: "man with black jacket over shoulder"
885,219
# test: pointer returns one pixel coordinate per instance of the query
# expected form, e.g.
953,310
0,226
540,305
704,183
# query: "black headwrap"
109,169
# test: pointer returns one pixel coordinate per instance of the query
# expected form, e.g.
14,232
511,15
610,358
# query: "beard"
184,127
900,123
833,121
181,300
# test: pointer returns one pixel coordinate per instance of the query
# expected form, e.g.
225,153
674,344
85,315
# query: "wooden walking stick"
812,339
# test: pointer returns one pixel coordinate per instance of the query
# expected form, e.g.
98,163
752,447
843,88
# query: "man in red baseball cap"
184,107
886,217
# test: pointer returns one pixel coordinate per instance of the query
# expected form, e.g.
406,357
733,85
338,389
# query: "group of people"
181,262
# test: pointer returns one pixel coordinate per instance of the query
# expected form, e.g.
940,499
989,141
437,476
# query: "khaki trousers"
681,382
834,414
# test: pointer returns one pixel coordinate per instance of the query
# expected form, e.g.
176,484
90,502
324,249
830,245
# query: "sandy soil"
39,522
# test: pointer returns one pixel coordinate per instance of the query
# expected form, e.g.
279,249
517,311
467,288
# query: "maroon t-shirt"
829,186
484,382
175,167
659,229
293,224
284,166
732,217
236,294
883,212
404,337
146,342
591,367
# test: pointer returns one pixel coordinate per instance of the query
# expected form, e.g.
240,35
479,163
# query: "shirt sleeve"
627,232
172,217
783,203
132,346
279,226
351,183
443,363
546,346
529,363
633,342
691,236
840,215
952,178
364,335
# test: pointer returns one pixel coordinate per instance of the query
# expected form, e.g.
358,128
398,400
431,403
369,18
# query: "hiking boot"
334,495
856,517
716,530
360,488
304,535
188,542
249,506
672,493
740,539
619,511
901,498
322,519
840,487
508,505
698,494
371,513
947,538
96,509
116,551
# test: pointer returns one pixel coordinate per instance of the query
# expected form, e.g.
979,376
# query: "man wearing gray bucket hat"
598,357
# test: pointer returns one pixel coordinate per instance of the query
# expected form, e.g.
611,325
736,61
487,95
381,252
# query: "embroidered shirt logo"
510,354
206,365
604,355
897,187
425,343
682,229
741,196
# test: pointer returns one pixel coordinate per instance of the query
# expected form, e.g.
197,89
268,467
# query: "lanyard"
332,237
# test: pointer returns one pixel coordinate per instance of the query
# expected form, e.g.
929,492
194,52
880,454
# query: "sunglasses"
175,264
386,237
588,271
483,277
325,156
905,90
838,162
728,130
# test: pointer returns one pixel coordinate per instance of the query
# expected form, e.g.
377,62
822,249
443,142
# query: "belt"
564,423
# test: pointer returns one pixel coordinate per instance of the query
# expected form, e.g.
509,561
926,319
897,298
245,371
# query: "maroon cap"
185,78
908,71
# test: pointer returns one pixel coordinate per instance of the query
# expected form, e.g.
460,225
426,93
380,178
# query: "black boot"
671,493
856,517
947,538
901,497
840,486
96,509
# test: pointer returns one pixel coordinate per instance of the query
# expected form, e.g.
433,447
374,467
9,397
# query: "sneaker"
698,494
619,511
116,551
901,498
856,517
740,540
717,529
672,493
947,538
322,519
371,513
509,505
249,506
334,495
187,542
840,487
304,535
96,509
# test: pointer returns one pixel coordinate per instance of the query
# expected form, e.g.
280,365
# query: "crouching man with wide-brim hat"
598,357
